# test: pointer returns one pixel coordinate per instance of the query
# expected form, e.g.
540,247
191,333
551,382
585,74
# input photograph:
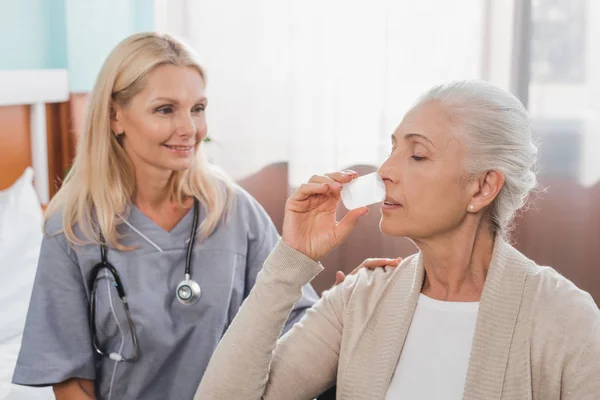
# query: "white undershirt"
435,356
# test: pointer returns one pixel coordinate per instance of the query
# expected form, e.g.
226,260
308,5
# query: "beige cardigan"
537,335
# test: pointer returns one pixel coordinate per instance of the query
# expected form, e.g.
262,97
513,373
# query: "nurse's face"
163,125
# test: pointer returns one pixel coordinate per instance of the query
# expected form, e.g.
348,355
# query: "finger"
309,189
378,262
349,221
335,186
339,278
342,176
320,179
372,263
393,262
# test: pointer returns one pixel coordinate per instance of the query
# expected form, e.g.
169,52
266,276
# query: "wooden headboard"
30,119
15,151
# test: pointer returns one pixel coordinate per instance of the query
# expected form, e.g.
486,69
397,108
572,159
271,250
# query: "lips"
178,147
391,202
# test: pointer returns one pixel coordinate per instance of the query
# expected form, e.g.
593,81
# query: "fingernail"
337,185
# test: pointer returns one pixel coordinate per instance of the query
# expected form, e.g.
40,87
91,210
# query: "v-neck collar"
176,237
148,220
384,333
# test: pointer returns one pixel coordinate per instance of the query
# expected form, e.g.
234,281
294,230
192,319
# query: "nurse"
149,251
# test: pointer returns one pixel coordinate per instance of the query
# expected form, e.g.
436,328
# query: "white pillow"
21,223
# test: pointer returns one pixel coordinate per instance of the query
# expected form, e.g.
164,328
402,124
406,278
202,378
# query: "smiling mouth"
179,148
391,203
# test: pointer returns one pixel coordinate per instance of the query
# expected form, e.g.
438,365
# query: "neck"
152,188
456,263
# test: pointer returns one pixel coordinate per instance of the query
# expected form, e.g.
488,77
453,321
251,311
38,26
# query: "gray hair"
497,135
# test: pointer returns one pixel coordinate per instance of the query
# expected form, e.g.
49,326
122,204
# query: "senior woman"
468,316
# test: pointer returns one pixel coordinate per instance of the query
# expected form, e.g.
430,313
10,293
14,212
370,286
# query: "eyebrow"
175,101
409,136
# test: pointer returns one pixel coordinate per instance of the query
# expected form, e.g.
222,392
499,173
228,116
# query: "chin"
173,167
179,165
393,228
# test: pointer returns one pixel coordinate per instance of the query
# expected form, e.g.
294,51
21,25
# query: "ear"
116,117
486,188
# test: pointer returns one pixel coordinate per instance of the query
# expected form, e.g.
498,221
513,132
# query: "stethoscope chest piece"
188,291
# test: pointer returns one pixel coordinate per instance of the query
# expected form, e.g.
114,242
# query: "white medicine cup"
363,191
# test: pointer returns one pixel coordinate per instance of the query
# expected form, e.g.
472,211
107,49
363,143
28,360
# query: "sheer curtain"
564,88
322,84
563,227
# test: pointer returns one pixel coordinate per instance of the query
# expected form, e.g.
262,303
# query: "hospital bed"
30,156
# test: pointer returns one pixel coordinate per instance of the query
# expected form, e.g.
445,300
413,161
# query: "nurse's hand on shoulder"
309,225
369,263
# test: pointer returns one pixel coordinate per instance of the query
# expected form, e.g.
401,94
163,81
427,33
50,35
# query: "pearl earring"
471,208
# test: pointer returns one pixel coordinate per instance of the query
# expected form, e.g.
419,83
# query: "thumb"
349,221
339,278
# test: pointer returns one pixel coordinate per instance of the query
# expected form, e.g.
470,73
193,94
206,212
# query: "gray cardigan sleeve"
262,238
581,377
251,363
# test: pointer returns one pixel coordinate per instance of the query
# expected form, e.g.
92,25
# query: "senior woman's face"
164,123
426,191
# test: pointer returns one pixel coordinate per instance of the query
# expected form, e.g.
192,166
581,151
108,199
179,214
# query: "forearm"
75,389
308,300
239,368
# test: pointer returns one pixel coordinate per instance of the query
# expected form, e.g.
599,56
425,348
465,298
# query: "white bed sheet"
21,222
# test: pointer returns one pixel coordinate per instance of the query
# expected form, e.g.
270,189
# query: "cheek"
444,205
418,182
152,130
201,126
433,194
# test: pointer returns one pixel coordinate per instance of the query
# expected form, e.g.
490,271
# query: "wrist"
291,265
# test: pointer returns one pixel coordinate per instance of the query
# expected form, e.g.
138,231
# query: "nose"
186,126
387,171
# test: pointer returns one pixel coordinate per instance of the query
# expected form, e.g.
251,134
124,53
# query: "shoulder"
375,280
560,307
245,220
242,198
54,233
54,224
366,287
246,207
55,244
238,196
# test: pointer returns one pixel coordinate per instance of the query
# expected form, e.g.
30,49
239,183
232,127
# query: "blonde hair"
101,182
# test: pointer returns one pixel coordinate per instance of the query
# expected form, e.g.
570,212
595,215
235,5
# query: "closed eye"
418,158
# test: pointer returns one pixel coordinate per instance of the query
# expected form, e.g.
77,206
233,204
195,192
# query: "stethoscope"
188,291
